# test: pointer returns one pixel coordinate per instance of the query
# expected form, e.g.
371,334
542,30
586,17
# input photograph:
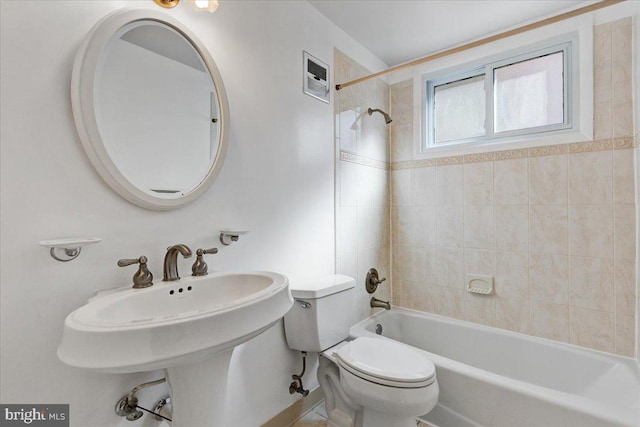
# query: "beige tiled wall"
362,189
554,226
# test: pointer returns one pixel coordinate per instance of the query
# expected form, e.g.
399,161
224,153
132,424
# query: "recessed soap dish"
479,284
68,249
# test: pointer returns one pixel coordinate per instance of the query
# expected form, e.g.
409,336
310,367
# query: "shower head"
387,118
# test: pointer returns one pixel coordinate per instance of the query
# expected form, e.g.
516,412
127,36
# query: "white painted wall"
277,182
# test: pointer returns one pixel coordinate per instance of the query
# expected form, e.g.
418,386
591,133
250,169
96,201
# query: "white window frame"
582,85
568,45
430,85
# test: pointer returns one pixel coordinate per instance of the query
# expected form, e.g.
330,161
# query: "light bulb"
210,5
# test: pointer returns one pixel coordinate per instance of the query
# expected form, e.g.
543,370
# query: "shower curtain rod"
471,45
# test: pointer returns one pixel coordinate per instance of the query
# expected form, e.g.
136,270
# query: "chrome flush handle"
304,304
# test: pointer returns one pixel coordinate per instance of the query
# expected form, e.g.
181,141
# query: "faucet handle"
143,277
126,262
200,267
373,281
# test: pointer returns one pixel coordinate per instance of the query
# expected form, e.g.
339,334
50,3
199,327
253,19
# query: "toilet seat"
386,362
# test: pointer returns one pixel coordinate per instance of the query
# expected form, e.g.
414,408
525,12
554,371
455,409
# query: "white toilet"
367,382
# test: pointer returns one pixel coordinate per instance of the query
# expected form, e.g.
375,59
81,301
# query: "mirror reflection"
157,109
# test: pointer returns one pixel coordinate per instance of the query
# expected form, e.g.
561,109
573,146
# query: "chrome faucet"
378,303
170,269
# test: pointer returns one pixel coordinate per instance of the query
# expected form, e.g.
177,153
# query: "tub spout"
375,302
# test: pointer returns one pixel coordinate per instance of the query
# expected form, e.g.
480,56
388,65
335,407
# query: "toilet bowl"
382,382
367,382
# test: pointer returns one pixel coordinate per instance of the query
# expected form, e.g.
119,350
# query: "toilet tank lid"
321,287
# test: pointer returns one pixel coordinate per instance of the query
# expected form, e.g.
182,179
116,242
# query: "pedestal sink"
188,327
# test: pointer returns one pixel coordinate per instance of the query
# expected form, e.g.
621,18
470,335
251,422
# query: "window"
514,95
460,112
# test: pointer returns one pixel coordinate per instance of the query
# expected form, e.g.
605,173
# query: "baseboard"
296,410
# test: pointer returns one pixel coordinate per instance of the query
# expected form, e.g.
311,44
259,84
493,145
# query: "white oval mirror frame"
84,112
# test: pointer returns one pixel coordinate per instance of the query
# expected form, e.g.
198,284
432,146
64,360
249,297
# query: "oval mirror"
150,108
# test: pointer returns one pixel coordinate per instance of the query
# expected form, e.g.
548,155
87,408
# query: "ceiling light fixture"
208,5
167,4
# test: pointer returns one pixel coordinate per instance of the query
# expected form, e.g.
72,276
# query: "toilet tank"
322,313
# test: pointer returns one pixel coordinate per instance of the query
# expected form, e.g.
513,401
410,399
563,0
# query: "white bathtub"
494,378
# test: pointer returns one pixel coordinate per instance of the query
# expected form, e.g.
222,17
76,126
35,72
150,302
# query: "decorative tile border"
477,158
550,150
364,161
511,154
586,147
453,160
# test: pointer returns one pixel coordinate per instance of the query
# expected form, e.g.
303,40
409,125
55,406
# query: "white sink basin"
172,324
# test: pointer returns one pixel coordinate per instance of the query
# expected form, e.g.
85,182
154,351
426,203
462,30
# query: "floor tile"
311,420
321,410
317,417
